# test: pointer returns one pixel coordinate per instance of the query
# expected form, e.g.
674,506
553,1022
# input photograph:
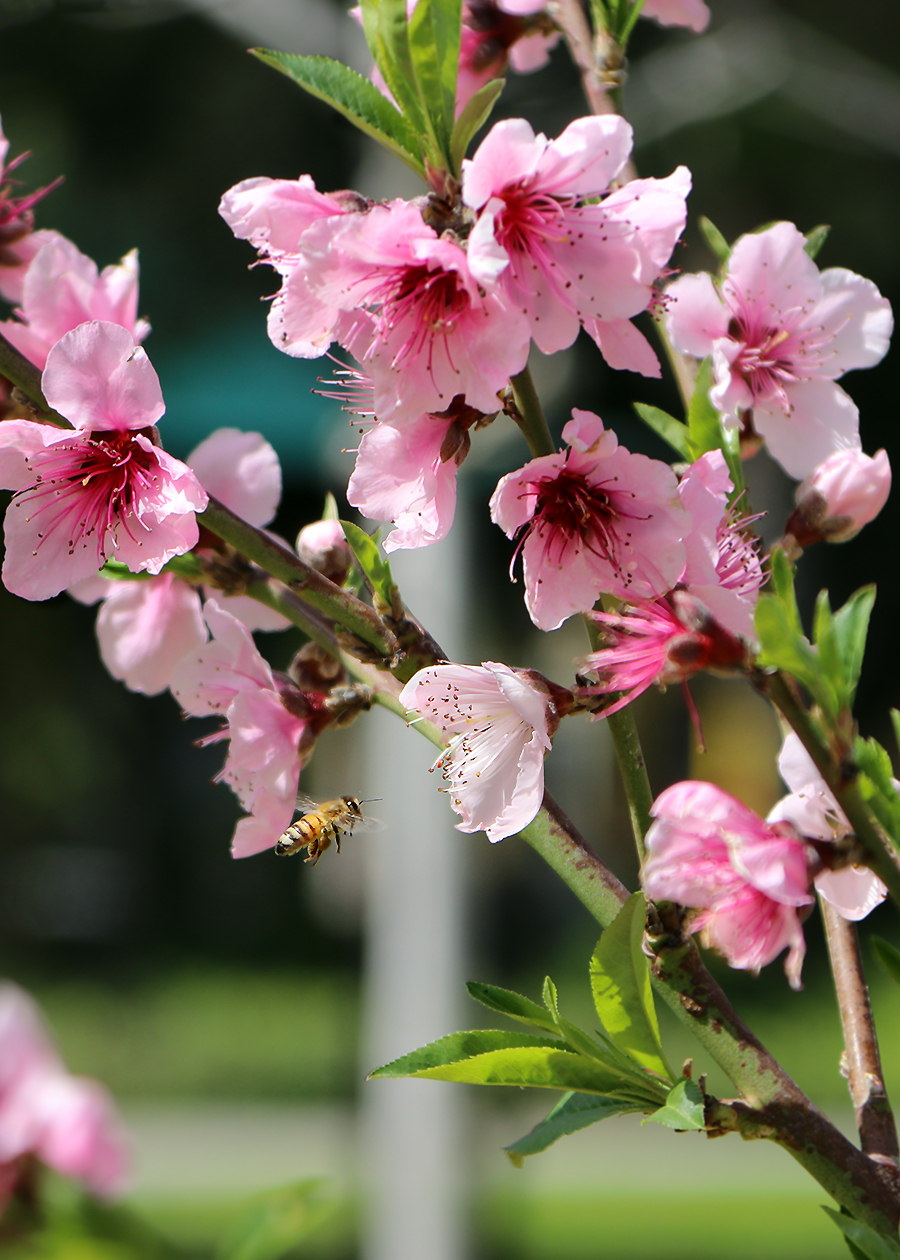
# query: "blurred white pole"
414,1152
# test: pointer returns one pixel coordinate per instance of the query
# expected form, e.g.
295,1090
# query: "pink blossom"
844,493
567,263
722,568
62,288
274,216
708,851
144,628
692,13
593,519
67,1122
780,333
500,722
18,243
663,642
103,490
428,330
270,725
407,474
812,810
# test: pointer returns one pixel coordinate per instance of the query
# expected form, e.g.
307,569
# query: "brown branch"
27,378
874,1118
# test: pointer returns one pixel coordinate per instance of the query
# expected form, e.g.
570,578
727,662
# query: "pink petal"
859,318
854,891
822,420
692,13
145,628
623,346
773,274
99,378
509,152
695,315
242,470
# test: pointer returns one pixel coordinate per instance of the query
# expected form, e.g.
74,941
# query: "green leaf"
781,581
888,955
620,982
683,1109
782,647
895,721
514,1005
542,1066
330,510
706,432
275,1222
876,785
370,560
474,114
571,1113
457,1048
715,240
668,428
353,96
851,625
873,1246
831,684
120,572
435,30
816,239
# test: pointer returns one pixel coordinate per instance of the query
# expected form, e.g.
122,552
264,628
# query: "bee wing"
366,823
305,804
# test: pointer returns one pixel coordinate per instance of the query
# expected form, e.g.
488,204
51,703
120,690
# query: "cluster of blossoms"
439,299
66,1122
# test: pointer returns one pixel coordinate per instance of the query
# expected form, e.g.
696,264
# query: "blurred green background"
201,989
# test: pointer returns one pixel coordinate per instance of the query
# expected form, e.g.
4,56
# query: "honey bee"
322,823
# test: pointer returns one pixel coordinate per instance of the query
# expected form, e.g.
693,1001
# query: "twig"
874,1118
315,589
529,414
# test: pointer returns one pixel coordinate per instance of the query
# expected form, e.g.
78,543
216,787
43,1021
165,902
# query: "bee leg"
313,852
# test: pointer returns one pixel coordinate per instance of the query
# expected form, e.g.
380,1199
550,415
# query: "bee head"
353,805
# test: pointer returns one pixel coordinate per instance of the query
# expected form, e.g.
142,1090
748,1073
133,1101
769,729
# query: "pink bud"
322,546
843,494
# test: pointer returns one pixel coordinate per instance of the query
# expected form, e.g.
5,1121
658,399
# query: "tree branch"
27,378
874,1118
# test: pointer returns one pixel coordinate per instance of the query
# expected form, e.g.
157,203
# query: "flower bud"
323,547
844,493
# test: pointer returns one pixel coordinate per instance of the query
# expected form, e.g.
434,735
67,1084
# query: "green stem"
881,854
684,368
26,377
530,415
315,589
629,754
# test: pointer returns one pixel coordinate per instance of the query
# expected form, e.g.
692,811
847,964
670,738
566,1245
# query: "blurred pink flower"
708,851
812,810
18,243
692,13
780,332
500,722
62,288
562,257
844,493
67,1122
592,520
105,490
